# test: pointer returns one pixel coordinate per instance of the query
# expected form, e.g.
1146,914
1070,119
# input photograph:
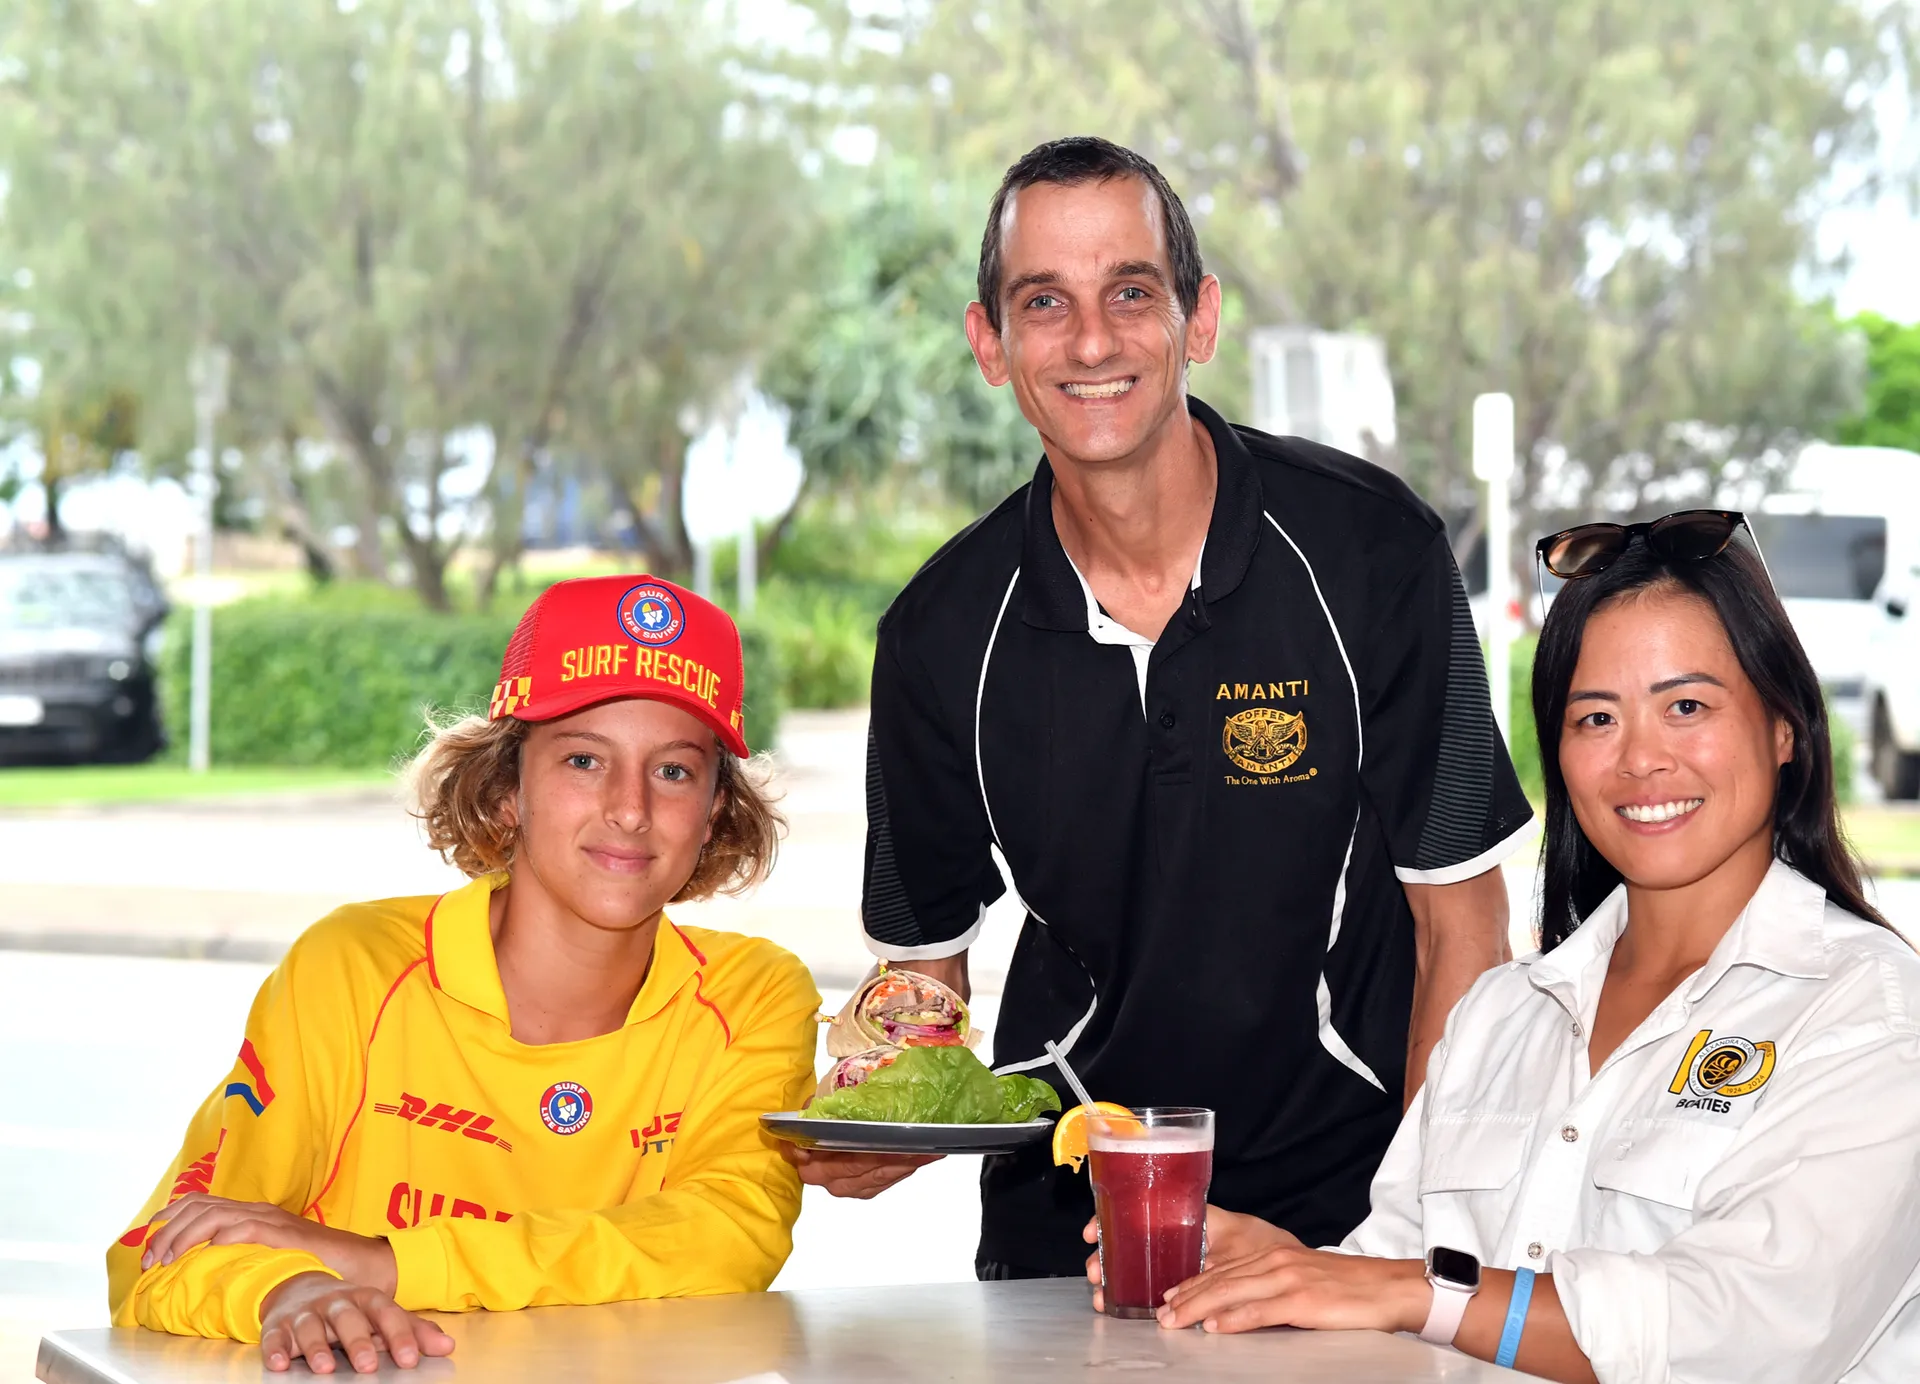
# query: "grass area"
93,785
1888,838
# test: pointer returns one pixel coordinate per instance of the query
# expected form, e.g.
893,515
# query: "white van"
1847,519
1842,541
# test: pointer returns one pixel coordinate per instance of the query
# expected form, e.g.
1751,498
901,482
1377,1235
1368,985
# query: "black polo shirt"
1211,858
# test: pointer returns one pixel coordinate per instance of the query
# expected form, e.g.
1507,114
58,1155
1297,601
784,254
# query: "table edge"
61,1361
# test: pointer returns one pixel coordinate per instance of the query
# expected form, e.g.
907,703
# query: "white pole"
703,569
1499,599
207,372
1493,463
749,558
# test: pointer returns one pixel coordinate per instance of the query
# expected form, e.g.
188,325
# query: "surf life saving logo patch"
566,1107
1265,739
651,615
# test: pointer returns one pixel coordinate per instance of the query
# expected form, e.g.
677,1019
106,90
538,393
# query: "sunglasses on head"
1689,535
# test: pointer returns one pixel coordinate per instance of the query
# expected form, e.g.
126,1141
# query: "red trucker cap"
599,638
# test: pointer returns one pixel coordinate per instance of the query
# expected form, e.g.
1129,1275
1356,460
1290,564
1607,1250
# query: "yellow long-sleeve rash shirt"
379,1090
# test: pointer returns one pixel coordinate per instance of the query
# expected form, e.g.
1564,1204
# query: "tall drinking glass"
1150,1176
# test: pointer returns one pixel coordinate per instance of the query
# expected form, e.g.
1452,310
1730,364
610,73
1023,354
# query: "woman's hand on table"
310,1313
202,1219
1289,1285
1231,1236
856,1175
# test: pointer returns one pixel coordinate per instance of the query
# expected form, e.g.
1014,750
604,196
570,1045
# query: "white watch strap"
1443,1318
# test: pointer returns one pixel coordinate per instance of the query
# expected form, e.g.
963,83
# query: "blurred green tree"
443,238
876,370
1600,206
1891,417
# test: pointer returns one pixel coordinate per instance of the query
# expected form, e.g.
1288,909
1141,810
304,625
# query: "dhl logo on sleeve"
610,661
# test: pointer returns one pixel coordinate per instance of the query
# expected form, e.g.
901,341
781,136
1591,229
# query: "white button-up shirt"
1735,1194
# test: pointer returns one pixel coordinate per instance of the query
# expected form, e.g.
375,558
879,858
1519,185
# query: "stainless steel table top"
1016,1333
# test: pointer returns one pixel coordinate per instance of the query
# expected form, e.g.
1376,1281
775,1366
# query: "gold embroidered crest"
1711,1064
1265,739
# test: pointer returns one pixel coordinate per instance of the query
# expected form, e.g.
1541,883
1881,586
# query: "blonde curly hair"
463,777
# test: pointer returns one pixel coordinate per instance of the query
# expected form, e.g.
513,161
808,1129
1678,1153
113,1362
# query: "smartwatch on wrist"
1455,1276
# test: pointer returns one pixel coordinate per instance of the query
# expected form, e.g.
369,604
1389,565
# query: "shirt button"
1534,1250
1570,1134
1576,1028
1166,719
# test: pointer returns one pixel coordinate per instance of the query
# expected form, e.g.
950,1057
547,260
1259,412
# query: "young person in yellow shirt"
536,1088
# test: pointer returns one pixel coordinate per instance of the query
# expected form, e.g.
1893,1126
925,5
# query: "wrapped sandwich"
927,1085
851,1071
901,1009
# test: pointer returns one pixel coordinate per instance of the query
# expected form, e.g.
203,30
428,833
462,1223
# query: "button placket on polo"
1169,690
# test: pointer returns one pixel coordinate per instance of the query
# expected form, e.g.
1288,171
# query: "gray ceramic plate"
874,1136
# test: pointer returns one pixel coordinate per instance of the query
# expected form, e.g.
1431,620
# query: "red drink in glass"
1150,1190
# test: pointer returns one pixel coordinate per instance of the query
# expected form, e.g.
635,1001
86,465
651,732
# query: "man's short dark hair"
1071,162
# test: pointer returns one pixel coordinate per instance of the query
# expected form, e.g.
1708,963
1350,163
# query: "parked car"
78,638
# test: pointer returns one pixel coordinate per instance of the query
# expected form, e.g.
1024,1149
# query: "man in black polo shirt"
1217,700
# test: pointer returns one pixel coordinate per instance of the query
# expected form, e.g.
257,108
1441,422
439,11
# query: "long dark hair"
1806,814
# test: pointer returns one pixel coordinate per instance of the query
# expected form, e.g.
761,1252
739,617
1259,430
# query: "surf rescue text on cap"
599,638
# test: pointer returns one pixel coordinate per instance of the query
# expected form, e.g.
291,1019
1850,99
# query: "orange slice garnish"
1070,1134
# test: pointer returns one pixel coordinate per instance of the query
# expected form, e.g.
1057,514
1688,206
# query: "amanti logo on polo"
1260,691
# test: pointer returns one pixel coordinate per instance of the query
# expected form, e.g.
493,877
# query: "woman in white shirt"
1682,1142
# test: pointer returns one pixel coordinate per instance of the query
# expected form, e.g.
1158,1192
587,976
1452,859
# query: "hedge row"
301,684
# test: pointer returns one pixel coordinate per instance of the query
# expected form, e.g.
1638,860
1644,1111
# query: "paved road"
241,880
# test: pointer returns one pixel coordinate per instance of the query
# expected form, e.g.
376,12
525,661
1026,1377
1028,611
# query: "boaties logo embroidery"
1265,739
1717,1071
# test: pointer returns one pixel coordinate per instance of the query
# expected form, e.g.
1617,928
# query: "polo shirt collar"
1580,963
1056,597
460,959
1782,929
1107,630
460,947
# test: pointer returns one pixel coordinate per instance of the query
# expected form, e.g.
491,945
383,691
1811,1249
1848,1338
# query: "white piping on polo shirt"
1103,630
1470,869
931,951
979,699
1330,1038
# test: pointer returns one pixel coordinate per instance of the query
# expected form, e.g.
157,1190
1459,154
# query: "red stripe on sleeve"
251,1061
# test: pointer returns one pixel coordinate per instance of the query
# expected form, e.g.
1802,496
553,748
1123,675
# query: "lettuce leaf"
1024,1098
937,1086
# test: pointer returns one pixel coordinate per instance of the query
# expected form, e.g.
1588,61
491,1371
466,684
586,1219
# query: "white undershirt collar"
1106,630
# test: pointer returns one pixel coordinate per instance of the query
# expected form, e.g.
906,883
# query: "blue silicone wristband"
1516,1317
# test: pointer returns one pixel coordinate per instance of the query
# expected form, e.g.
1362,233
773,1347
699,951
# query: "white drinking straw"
1060,1060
